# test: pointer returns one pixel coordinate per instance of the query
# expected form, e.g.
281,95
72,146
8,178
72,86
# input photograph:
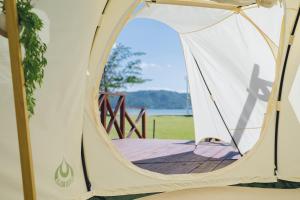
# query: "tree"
123,68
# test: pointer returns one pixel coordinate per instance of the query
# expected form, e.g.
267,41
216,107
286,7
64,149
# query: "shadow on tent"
256,86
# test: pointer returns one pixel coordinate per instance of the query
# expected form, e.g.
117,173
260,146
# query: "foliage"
34,61
123,68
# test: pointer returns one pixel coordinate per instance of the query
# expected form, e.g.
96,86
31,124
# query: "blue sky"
163,62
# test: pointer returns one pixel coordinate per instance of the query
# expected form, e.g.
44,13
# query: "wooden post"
103,109
154,126
20,100
144,124
122,116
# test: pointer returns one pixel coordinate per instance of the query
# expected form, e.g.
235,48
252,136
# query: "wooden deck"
176,156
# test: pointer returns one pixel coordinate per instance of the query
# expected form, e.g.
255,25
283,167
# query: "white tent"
230,64
81,34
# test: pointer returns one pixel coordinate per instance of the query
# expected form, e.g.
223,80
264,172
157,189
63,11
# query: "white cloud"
146,65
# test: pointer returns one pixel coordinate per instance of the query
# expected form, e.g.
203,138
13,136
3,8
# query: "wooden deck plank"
176,156
224,163
170,168
207,166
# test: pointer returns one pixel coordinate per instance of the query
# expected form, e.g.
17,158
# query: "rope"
216,106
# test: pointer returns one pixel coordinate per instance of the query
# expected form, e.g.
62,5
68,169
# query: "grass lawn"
167,127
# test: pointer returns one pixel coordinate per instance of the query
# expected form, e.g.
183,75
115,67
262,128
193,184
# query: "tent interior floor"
176,156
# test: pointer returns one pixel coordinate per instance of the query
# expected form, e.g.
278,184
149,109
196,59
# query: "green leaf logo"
64,174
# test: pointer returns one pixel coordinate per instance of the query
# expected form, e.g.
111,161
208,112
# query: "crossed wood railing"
110,115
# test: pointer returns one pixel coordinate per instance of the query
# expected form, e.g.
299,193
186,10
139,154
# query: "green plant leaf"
34,61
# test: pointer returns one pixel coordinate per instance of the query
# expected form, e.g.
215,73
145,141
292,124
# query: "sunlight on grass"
167,127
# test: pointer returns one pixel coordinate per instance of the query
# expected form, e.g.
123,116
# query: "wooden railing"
110,114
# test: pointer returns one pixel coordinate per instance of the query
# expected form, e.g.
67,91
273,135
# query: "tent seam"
221,20
267,39
209,26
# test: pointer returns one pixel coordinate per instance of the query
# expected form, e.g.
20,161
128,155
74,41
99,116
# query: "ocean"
155,112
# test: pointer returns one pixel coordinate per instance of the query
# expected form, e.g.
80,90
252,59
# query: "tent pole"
280,90
216,106
196,3
20,100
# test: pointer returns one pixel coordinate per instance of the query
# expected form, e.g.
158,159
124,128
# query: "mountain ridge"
155,99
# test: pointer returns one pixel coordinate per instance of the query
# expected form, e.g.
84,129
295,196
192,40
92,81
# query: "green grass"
167,127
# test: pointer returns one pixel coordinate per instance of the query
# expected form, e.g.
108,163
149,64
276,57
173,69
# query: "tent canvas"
67,106
230,65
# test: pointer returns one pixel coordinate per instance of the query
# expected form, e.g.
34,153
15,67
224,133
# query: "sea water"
152,112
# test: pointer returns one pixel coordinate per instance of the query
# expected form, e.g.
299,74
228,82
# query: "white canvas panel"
289,126
67,107
268,20
294,95
236,62
56,127
184,19
228,193
111,174
239,69
207,122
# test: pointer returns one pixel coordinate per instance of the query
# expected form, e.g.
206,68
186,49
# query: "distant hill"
156,99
